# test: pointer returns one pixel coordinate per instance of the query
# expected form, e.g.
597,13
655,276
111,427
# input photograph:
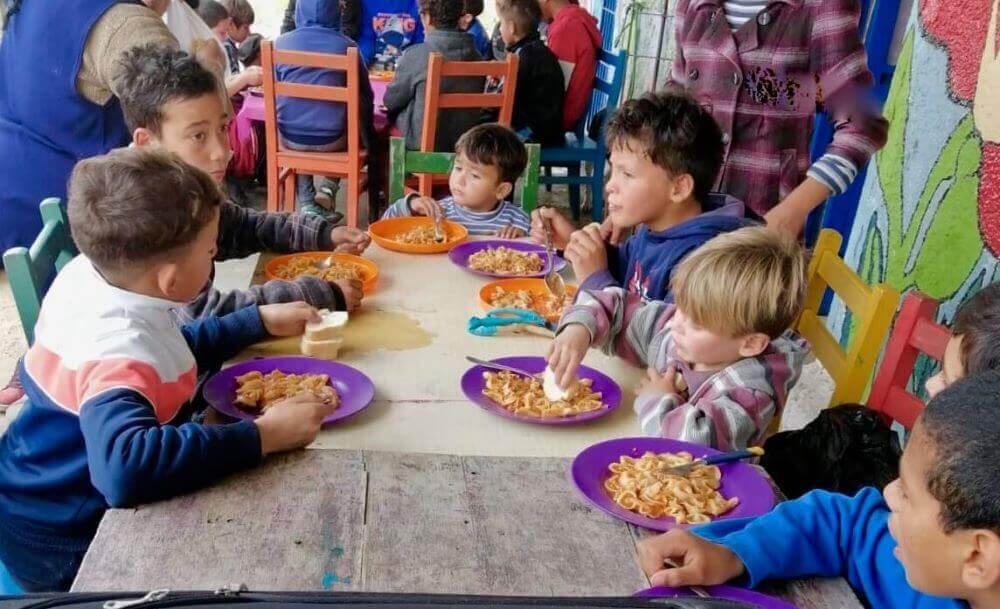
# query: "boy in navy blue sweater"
932,541
110,373
666,151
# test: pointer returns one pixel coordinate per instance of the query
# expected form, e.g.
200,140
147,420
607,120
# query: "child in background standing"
573,36
470,24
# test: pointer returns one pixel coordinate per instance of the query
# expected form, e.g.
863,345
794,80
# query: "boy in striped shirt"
488,160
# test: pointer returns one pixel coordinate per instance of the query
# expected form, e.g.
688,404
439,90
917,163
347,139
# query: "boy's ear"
166,280
981,570
754,344
683,188
504,189
143,137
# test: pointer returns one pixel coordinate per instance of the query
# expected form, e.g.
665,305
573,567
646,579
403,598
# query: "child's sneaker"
313,209
13,392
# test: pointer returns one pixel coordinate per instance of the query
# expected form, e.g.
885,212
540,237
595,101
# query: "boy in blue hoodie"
109,377
666,151
384,29
931,542
312,125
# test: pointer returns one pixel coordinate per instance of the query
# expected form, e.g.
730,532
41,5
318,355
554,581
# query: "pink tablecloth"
253,109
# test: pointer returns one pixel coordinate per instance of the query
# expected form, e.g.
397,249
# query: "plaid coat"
764,83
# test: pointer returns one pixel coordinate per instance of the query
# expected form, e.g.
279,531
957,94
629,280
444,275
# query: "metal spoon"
553,280
685,468
439,235
325,263
496,366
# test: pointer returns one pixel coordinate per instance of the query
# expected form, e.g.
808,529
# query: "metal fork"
553,280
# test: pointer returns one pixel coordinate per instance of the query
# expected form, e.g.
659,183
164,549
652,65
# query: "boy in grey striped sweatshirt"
722,360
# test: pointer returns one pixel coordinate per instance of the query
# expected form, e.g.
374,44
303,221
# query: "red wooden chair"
434,100
284,164
915,332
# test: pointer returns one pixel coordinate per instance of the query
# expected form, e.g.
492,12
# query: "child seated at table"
470,24
722,361
313,125
383,29
538,97
666,151
217,18
974,345
404,97
573,36
932,541
110,372
170,101
241,17
488,161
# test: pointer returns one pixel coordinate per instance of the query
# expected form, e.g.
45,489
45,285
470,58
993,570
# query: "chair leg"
353,199
273,186
289,192
547,171
597,191
573,171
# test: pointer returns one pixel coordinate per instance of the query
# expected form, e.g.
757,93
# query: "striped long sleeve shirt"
478,223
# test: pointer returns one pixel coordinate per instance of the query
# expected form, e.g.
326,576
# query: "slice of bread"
328,328
323,349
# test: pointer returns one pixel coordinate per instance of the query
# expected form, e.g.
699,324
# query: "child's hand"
701,562
665,384
287,319
566,352
560,226
353,291
253,76
349,240
425,206
586,252
292,423
510,232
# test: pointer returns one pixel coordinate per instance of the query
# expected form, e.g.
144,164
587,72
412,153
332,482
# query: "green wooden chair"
30,270
403,162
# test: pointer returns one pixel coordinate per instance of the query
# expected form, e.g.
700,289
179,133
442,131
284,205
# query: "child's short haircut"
473,7
525,14
962,424
978,323
443,14
133,205
212,12
240,11
493,144
674,131
747,281
153,75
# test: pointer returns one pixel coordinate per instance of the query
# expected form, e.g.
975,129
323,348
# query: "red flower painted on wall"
961,27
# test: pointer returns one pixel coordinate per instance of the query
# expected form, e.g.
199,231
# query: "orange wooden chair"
434,100
915,332
284,164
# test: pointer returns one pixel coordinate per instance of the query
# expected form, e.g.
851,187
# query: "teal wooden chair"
403,162
30,270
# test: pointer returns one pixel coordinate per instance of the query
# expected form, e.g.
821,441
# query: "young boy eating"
110,372
218,18
665,153
172,102
932,542
488,161
722,360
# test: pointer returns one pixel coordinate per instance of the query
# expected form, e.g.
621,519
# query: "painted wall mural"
929,217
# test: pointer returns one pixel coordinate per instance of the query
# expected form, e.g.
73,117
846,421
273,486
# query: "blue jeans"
305,191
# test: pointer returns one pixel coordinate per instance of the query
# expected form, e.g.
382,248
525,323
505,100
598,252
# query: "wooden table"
423,492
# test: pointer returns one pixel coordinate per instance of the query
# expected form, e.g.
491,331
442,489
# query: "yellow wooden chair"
872,309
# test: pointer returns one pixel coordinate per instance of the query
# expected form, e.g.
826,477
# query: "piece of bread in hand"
323,349
328,328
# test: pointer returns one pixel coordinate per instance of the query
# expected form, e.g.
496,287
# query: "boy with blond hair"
721,362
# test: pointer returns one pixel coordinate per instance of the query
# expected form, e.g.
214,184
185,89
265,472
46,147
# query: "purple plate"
589,470
354,388
729,593
460,255
473,385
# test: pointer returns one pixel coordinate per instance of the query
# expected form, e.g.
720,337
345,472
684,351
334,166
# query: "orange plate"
385,232
535,286
369,270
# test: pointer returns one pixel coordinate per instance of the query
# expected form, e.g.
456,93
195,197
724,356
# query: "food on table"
545,305
640,485
506,261
553,392
419,235
525,396
303,265
257,392
323,338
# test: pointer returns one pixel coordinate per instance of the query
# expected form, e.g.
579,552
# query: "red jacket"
575,40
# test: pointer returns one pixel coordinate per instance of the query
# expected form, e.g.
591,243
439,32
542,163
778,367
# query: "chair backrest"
30,270
871,307
403,162
609,81
915,332
348,94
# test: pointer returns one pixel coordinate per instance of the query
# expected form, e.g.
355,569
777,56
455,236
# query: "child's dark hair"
135,204
962,425
674,131
473,7
525,14
444,14
493,144
153,75
240,11
212,12
978,323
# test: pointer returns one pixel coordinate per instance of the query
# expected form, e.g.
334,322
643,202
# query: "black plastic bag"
844,449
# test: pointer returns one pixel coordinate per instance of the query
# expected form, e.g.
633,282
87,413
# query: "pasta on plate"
525,396
257,392
302,265
545,305
420,235
506,261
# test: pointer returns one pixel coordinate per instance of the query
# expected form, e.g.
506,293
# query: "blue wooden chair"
579,147
31,270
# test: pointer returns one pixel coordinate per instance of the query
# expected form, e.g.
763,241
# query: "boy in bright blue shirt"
932,541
